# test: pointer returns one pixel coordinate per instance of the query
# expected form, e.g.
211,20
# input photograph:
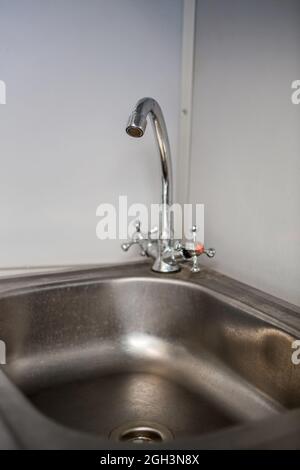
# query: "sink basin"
121,354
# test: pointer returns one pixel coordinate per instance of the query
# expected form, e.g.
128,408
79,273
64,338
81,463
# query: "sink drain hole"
141,433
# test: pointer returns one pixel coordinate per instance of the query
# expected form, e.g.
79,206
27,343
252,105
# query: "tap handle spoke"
191,250
210,252
138,226
138,238
152,232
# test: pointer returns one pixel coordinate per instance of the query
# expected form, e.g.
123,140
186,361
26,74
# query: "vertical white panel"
246,140
187,72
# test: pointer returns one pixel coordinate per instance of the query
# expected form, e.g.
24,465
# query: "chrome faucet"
166,252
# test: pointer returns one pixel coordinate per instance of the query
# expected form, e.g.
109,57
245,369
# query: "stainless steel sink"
123,355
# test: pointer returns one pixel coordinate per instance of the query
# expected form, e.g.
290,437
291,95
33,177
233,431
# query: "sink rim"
262,305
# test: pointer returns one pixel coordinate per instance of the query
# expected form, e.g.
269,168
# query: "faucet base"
160,266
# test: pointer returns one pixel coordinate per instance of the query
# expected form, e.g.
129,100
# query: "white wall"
246,140
73,70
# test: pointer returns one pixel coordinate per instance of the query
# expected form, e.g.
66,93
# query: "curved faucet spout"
167,253
136,128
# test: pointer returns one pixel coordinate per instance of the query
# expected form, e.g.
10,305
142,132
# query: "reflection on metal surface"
124,345
2,352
